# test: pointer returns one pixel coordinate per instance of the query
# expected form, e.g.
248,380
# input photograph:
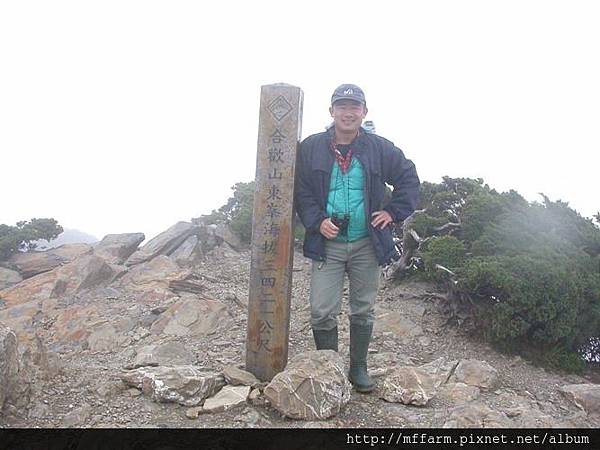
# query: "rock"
398,324
15,375
213,235
39,411
9,278
105,338
186,385
35,288
227,398
458,393
255,397
133,392
408,385
48,362
163,244
21,320
149,281
381,364
440,369
586,396
388,359
188,283
529,417
189,253
33,263
425,341
191,316
193,413
232,297
476,373
312,387
476,415
83,273
157,272
116,248
110,389
9,363
223,252
223,232
251,418
236,376
206,234
77,417
75,324
169,354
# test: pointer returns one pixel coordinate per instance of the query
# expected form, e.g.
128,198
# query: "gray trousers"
358,260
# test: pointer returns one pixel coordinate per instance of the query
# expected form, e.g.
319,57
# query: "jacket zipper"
366,194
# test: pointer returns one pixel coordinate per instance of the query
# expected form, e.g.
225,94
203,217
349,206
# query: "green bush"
531,271
237,212
22,235
526,300
446,251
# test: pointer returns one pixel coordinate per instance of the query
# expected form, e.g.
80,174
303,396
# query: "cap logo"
349,92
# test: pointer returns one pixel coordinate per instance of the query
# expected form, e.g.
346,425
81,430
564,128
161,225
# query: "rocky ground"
88,326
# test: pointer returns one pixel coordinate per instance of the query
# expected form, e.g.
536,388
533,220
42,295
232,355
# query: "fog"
129,116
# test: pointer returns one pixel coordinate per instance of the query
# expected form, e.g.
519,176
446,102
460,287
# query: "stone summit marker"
279,128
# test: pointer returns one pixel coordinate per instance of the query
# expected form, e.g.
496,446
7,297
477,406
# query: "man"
340,187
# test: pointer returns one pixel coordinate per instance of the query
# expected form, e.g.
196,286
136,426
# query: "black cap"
348,92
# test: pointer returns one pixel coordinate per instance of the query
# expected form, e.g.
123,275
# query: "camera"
341,221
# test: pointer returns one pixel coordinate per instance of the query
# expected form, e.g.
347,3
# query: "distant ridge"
68,236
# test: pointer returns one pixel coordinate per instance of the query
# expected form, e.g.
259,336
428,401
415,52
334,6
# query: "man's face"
348,115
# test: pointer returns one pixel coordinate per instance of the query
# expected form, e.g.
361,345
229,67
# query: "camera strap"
345,187
344,163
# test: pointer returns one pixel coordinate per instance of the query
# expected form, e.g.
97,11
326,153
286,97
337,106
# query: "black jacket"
382,163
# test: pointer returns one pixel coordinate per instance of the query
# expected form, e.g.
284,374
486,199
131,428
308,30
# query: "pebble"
193,413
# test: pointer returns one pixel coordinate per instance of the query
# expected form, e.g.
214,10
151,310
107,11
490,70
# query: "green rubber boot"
326,339
360,337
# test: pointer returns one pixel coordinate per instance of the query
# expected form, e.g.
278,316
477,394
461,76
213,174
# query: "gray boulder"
476,373
236,376
84,273
476,415
223,232
312,387
9,363
33,263
77,417
227,398
163,244
441,369
458,393
116,248
409,385
9,278
191,316
586,396
188,253
186,385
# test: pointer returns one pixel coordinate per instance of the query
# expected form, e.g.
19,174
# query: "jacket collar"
358,144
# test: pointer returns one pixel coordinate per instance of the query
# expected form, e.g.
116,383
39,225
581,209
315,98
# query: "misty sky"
128,116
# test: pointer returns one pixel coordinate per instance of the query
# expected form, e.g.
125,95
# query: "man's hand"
381,219
328,229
